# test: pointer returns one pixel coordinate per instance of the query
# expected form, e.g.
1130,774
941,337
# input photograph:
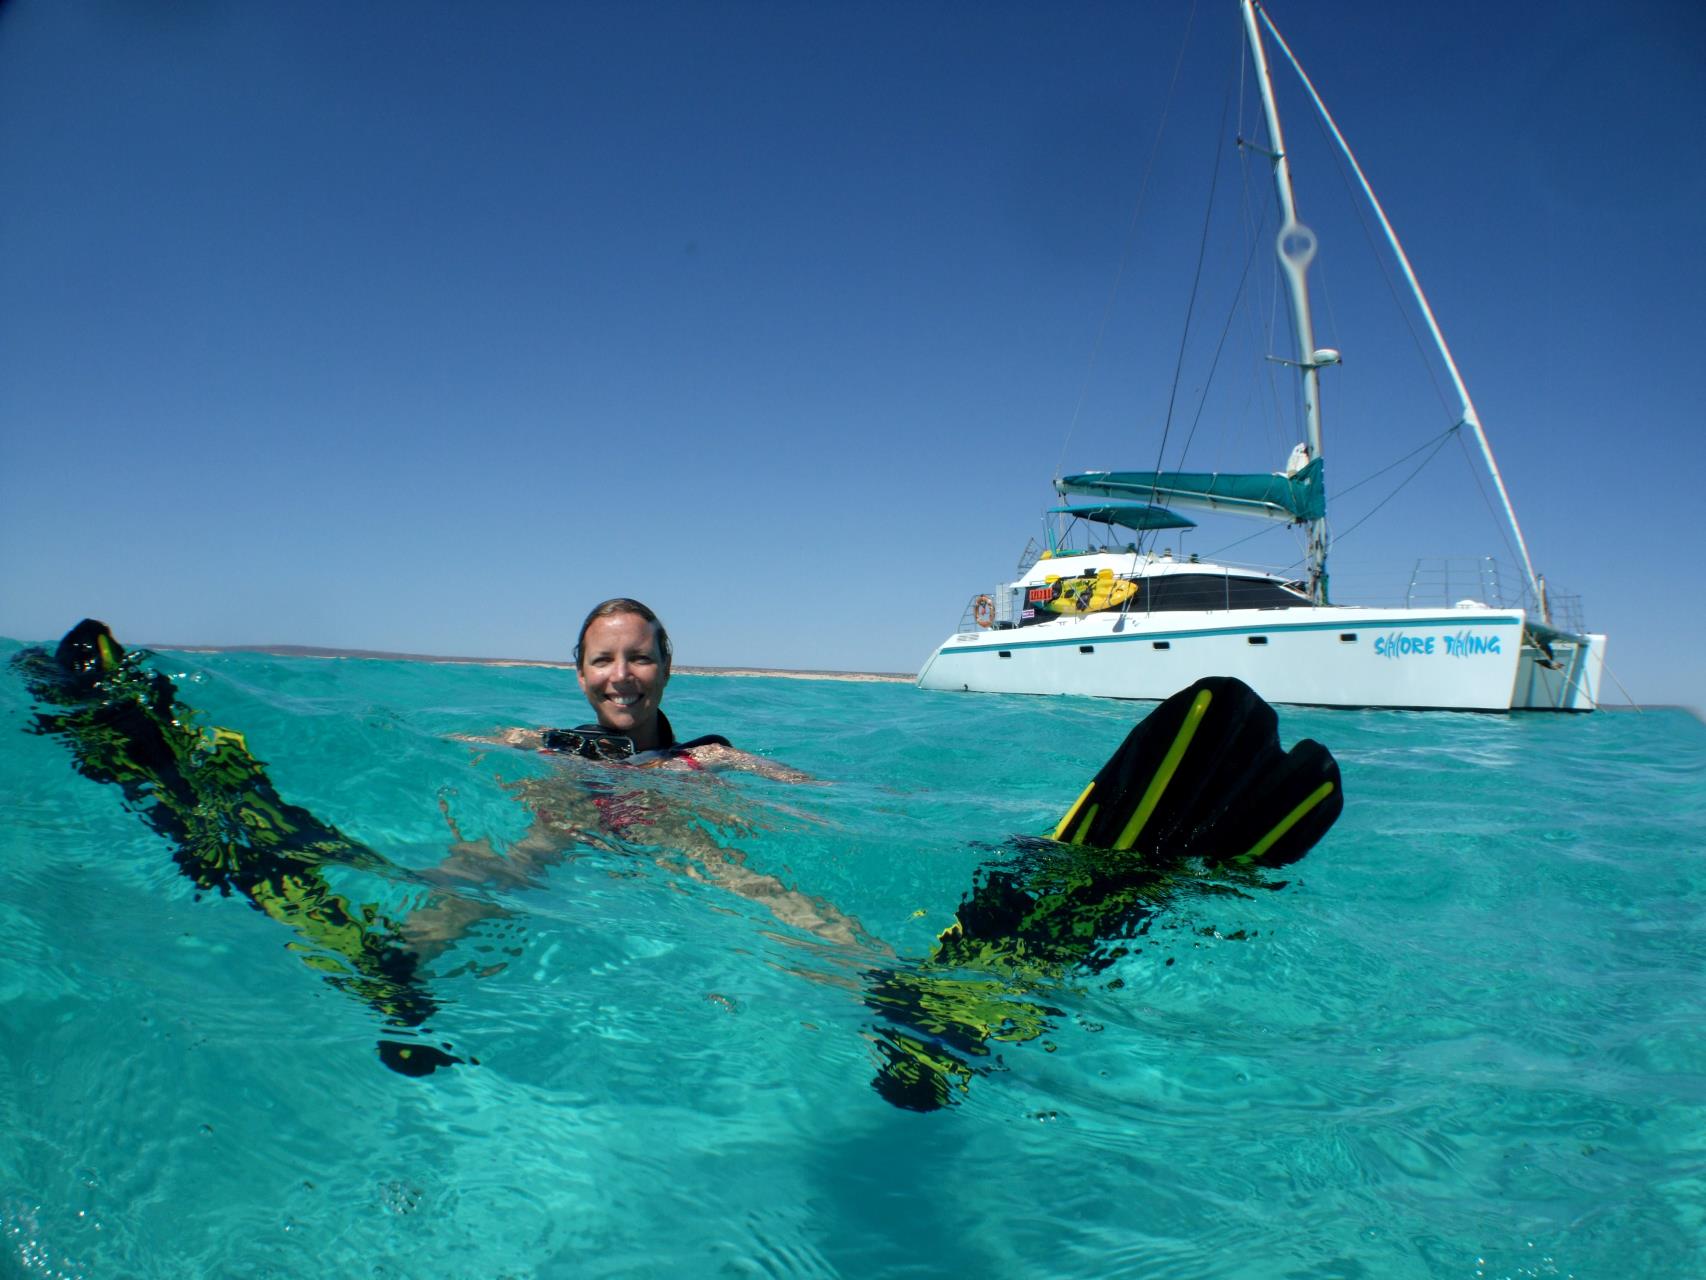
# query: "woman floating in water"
622,663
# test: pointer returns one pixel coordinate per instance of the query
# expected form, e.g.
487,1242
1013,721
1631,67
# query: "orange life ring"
983,611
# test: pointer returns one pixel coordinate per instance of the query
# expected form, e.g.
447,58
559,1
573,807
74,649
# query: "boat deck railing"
1000,611
1032,553
1566,610
1441,581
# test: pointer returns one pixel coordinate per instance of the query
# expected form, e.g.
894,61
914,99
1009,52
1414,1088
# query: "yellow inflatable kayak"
1090,593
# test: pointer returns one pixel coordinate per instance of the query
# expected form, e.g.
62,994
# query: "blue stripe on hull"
1109,637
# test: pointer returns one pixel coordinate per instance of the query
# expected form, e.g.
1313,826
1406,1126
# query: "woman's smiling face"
622,673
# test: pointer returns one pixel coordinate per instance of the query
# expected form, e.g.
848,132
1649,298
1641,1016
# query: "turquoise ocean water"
1467,1038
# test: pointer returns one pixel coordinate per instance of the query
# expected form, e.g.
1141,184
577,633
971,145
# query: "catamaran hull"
1450,659
1561,674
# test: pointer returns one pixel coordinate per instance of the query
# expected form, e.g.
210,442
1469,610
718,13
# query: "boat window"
1003,653
1178,591
1175,592
1162,644
1347,637
1257,639
1086,648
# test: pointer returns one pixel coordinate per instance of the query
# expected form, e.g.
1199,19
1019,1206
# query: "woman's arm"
526,739
716,755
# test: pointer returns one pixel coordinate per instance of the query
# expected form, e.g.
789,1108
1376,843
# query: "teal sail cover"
1299,496
1131,515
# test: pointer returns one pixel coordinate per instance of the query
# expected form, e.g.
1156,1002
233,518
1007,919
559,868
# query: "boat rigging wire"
1382,260
1130,236
1250,537
1225,332
1504,536
1185,336
1438,443
1627,696
1191,305
1261,331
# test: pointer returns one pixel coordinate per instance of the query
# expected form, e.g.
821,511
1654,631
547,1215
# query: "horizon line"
387,655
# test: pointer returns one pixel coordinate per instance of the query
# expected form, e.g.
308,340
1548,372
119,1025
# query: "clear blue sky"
422,326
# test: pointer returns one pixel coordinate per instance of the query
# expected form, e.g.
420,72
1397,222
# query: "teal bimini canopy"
1131,515
1299,496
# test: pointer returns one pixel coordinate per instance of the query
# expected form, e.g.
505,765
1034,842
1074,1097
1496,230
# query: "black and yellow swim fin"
230,831
1201,777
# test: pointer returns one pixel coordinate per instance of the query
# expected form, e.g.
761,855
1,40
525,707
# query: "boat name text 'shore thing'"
1462,645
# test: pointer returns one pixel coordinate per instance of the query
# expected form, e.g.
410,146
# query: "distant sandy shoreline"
313,651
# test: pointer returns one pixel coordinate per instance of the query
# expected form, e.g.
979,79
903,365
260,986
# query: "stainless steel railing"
1441,581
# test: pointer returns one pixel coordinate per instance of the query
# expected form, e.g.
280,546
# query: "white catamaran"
1122,621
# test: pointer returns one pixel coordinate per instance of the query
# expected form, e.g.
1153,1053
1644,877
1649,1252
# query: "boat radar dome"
1324,356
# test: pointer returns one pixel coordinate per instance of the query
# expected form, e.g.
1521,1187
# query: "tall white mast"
1469,417
1296,245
